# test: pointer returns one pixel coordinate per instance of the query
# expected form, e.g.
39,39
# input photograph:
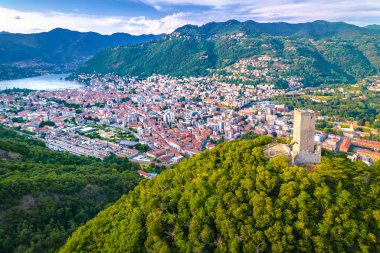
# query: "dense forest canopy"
363,107
233,199
45,195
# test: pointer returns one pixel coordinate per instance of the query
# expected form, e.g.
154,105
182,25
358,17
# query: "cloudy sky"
163,16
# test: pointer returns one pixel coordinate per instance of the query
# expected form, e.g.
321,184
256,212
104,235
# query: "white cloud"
29,22
215,3
357,12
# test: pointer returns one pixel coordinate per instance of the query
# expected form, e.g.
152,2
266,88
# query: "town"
163,119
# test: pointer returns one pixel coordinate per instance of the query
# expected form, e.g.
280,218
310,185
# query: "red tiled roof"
345,146
367,144
143,173
373,155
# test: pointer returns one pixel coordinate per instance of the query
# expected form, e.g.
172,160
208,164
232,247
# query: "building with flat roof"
128,143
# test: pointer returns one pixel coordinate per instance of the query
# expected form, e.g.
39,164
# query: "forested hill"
60,46
376,27
24,55
45,195
320,51
233,199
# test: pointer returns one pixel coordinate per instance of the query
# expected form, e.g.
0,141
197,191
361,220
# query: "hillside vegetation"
25,55
45,195
61,45
8,72
376,27
319,52
233,199
365,109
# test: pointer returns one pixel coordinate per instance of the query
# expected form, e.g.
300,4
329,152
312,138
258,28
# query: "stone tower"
305,151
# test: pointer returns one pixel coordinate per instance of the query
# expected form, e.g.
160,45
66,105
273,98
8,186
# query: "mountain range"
319,52
58,49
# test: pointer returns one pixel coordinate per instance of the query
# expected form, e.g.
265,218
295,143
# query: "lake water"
47,82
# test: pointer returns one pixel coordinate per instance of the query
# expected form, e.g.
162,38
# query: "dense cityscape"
162,119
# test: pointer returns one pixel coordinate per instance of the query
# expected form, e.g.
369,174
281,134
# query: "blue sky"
163,16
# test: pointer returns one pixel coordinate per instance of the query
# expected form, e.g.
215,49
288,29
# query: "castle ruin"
305,150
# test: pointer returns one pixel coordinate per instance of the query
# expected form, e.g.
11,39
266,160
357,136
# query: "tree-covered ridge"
61,45
313,30
319,52
26,55
361,105
233,199
45,195
12,72
375,27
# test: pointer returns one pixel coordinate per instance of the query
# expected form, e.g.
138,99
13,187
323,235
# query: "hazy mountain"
375,27
59,47
320,51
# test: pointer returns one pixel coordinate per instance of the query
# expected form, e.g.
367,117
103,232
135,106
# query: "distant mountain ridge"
375,27
59,47
319,51
317,29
